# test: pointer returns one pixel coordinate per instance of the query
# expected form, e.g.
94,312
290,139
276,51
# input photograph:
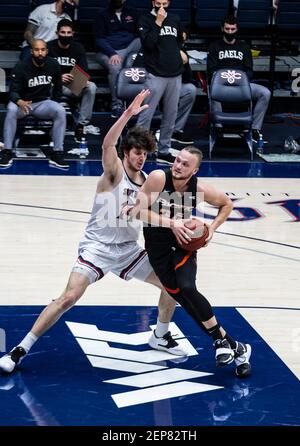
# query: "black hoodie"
224,55
32,83
161,45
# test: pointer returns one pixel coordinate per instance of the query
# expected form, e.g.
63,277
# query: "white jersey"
106,224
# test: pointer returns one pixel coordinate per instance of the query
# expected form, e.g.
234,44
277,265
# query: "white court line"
257,251
43,218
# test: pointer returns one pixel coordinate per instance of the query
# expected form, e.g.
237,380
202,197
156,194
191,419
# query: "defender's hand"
136,105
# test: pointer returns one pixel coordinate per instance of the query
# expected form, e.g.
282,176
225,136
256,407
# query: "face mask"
40,60
65,40
116,4
229,37
68,9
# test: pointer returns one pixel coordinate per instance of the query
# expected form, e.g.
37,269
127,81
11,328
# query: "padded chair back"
230,86
254,14
209,14
15,11
130,82
288,16
88,10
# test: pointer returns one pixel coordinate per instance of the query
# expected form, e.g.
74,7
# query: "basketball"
198,237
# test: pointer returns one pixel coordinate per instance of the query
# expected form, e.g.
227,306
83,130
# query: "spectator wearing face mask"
43,20
68,53
234,54
187,97
162,36
116,35
36,90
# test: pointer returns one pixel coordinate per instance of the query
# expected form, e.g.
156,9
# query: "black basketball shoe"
6,158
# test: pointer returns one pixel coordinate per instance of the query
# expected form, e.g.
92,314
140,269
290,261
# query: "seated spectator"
232,53
43,20
116,36
68,53
36,90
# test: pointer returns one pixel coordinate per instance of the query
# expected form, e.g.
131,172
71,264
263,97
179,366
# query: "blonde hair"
195,151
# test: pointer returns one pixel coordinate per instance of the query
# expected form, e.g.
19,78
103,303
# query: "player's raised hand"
136,105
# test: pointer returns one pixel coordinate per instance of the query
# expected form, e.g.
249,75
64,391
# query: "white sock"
28,341
161,328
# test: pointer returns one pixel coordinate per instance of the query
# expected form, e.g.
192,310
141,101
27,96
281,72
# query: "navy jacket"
112,34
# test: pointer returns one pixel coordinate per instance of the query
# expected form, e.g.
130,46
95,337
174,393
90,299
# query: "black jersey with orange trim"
172,204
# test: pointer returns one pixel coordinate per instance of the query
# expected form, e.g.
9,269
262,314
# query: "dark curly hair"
139,138
65,22
231,20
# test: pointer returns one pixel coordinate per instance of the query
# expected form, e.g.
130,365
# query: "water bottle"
83,150
260,144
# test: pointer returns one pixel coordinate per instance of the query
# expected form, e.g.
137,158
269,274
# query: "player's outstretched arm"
110,160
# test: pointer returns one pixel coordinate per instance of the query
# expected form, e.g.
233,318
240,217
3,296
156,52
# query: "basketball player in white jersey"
110,242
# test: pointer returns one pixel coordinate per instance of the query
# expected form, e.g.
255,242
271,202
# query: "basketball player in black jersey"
165,200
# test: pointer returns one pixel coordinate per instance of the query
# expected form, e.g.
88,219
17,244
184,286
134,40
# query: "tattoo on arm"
30,31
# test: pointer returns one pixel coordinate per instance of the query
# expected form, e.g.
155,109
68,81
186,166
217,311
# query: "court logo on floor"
153,380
